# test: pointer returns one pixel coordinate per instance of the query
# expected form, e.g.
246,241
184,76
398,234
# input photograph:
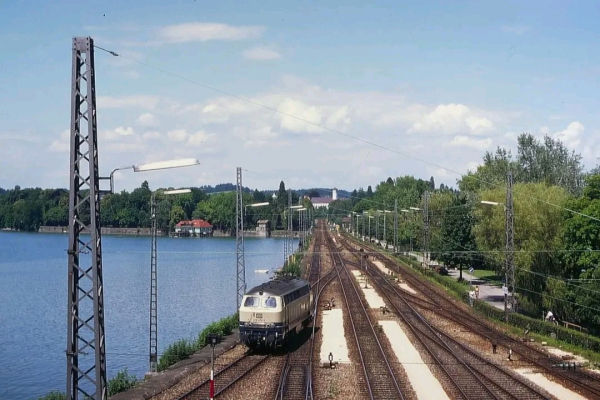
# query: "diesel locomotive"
272,312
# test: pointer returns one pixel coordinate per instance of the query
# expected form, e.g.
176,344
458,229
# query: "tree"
369,192
538,227
313,193
431,184
457,247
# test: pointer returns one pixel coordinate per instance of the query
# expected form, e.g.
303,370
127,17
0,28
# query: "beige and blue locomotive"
272,312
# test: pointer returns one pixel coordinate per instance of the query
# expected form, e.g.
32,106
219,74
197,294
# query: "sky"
317,94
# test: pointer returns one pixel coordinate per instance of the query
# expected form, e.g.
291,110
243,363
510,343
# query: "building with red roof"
194,227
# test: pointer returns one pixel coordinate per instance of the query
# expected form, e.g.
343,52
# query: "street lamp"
384,221
509,278
153,352
178,163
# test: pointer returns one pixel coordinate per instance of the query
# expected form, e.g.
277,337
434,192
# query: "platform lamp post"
411,227
405,211
384,230
153,346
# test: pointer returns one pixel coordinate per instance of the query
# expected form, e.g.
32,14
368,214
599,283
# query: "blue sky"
440,81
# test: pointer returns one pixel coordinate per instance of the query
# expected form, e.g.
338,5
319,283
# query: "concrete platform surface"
554,388
164,380
373,298
425,385
334,341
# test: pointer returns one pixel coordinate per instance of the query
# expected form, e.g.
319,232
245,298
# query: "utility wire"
366,141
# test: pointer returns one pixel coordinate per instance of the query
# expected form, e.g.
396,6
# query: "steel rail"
451,346
584,381
339,264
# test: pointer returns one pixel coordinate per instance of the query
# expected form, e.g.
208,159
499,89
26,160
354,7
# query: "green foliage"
54,395
183,349
175,352
456,238
122,382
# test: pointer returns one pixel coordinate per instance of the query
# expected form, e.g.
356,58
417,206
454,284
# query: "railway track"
295,381
578,380
380,381
226,376
468,374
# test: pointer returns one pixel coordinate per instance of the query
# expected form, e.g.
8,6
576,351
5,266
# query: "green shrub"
121,382
54,395
175,352
183,349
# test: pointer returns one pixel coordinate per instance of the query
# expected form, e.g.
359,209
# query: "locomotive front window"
270,302
252,301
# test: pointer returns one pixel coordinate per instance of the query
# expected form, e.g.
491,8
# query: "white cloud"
261,53
147,120
62,145
296,108
202,32
515,29
178,135
465,141
140,101
472,166
124,131
200,137
151,135
571,136
451,118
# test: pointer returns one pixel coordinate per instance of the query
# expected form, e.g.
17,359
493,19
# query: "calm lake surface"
196,286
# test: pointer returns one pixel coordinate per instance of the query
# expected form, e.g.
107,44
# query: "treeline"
556,224
28,209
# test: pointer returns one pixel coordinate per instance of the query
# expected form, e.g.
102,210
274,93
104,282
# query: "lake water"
196,285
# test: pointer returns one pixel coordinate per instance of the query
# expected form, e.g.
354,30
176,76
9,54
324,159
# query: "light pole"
411,226
509,271
153,345
405,211
179,163
384,223
370,218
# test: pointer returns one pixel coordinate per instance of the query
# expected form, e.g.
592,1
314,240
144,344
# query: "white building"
319,202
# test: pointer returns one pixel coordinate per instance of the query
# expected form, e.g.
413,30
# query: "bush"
54,395
183,349
175,352
121,382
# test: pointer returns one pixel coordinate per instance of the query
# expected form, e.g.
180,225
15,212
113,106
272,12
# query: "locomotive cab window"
270,302
252,301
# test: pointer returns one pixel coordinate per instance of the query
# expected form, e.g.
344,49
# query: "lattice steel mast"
153,290
86,374
290,235
395,225
426,231
239,239
510,242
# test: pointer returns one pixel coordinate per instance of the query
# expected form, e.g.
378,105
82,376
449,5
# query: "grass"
489,276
